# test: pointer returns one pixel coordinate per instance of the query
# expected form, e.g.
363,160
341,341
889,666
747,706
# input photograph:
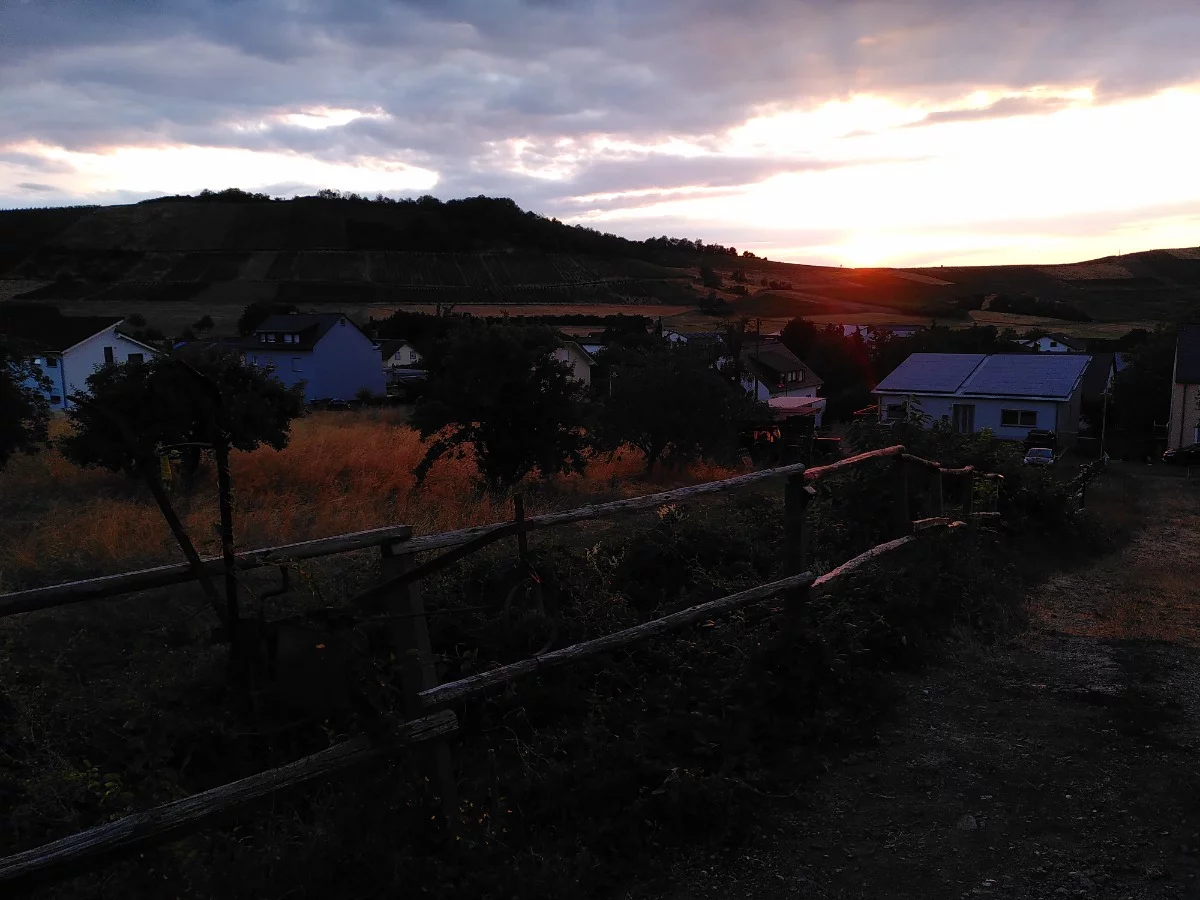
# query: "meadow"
341,472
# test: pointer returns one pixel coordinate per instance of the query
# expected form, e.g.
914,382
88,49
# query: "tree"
257,312
1141,392
496,391
671,404
135,410
205,323
24,411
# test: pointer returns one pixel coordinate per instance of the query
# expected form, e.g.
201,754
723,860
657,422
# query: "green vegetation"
497,392
24,411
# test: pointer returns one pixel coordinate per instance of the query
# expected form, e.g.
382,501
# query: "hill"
230,248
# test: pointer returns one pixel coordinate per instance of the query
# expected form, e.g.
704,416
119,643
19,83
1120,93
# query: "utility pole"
1104,420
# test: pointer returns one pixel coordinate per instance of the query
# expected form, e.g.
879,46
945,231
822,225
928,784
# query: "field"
341,472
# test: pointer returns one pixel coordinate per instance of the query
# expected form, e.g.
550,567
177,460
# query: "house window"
39,360
1022,418
51,362
296,364
137,357
894,412
271,338
108,356
262,337
1053,344
54,398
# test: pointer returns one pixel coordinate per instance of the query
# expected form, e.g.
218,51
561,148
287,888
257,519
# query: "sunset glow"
914,135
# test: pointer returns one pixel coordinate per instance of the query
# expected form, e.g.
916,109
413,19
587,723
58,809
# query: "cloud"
36,187
620,102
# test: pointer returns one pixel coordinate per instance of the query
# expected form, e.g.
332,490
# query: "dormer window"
270,337
287,338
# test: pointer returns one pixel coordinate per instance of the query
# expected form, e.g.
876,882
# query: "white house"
326,351
399,354
580,361
1054,343
1183,426
1010,393
68,349
782,372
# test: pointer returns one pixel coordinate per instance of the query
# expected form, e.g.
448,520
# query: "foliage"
168,401
257,312
24,410
709,278
497,392
671,404
1141,392
205,323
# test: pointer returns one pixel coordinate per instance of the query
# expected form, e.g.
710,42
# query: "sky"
852,132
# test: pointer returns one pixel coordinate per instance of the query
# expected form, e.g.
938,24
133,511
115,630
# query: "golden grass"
341,472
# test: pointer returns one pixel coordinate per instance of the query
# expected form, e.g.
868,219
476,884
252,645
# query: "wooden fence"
426,722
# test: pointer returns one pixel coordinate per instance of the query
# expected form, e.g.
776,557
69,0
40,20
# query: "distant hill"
232,248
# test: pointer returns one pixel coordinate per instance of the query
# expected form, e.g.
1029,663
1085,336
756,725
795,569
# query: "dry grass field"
341,472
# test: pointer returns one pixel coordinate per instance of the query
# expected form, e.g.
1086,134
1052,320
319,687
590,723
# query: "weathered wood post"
969,496
519,519
901,517
797,496
937,500
410,635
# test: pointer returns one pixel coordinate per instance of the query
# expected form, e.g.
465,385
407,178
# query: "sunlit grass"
341,472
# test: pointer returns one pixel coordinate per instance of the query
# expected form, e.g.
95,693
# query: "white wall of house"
581,366
405,357
1047,344
69,371
343,362
996,414
1183,427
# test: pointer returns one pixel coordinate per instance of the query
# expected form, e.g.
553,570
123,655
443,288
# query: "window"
51,362
262,337
137,357
1019,418
296,364
894,412
39,360
108,356
54,398
1053,344
270,337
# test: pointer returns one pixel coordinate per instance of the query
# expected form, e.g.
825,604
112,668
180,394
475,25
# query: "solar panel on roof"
1027,375
931,373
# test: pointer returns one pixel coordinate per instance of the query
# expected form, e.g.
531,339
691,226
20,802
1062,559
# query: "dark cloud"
36,187
459,78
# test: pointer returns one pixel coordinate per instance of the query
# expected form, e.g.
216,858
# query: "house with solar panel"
326,351
1008,393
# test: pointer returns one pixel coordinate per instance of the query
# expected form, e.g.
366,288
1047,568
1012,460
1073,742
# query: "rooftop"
309,327
1042,375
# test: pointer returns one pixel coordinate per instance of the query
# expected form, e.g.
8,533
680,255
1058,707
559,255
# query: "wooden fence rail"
398,593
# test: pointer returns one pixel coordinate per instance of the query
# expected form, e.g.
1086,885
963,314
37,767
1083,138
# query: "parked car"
1183,456
1038,456
1041,437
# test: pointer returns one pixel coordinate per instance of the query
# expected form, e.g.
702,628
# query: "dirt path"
1062,765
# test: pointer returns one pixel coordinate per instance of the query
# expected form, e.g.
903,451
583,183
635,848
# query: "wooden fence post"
796,533
938,500
410,635
902,518
519,518
969,497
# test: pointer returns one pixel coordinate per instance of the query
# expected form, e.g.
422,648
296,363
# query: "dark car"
1038,456
1041,437
1183,456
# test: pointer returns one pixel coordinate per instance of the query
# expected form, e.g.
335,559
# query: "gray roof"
931,373
1048,375
1027,375
1187,355
310,327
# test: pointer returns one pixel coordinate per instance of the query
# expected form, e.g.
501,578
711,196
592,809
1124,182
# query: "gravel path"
1061,765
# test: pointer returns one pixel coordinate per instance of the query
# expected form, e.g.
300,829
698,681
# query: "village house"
580,361
326,351
399,354
776,376
1009,393
1054,343
68,349
1183,425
